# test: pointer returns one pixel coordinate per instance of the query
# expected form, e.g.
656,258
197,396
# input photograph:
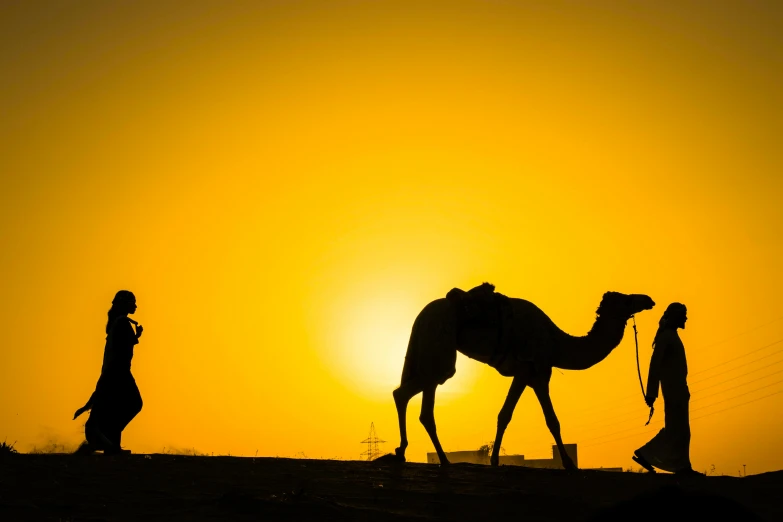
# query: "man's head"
674,317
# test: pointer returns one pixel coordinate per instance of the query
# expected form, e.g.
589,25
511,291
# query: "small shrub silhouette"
7,449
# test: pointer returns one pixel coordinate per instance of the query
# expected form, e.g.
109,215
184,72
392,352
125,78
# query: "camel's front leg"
542,392
427,418
504,417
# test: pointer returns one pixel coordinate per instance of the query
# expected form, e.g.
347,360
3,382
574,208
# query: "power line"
718,393
692,410
604,407
704,407
638,433
743,384
634,396
627,411
740,357
737,405
634,409
741,333
695,418
623,431
626,399
741,375
607,409
638,413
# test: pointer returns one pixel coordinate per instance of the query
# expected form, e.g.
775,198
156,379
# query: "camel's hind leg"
402,396
427,419
504,417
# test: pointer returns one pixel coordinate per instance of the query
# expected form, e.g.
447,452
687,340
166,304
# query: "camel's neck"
580,353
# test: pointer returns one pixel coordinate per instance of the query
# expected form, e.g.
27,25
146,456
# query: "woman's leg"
97,432
101,429
131,403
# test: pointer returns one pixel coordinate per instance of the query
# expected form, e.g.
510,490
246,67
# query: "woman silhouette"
116,399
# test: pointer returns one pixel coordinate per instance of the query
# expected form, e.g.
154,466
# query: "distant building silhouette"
482,457
470,457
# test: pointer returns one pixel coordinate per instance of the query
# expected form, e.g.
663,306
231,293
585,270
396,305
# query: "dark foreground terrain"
170,487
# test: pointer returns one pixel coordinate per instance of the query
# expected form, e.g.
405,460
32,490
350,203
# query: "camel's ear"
608,297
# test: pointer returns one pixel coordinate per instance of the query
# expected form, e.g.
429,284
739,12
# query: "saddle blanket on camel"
499,331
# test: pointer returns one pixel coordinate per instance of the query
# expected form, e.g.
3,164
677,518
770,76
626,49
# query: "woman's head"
124,303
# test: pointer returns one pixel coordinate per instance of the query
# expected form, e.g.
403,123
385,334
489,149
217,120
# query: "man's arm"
656,364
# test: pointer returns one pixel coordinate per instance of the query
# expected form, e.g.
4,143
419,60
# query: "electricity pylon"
372,442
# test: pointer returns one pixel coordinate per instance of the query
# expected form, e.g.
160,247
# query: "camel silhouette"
512,335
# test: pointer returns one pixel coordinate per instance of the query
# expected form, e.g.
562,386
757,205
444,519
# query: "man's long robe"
669,450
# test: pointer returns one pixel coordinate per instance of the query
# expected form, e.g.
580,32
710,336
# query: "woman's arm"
139,328
122,332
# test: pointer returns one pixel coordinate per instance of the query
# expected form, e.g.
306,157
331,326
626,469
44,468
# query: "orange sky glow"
284,185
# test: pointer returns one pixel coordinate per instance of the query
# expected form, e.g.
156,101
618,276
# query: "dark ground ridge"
172,487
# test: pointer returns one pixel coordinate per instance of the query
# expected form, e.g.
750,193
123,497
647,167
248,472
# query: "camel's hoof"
390,458
569,465
494,463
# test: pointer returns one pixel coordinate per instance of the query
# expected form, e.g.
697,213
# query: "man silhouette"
669,450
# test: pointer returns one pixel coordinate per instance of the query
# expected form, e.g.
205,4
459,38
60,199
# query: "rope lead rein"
639,370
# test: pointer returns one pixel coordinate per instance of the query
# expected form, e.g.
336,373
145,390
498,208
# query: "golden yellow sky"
284,185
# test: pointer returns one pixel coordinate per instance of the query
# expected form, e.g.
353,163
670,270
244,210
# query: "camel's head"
624,305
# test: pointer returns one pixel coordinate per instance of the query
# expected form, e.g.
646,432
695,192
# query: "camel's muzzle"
640,303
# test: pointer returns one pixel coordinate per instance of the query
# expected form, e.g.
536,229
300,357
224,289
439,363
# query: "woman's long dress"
116,400
669,450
